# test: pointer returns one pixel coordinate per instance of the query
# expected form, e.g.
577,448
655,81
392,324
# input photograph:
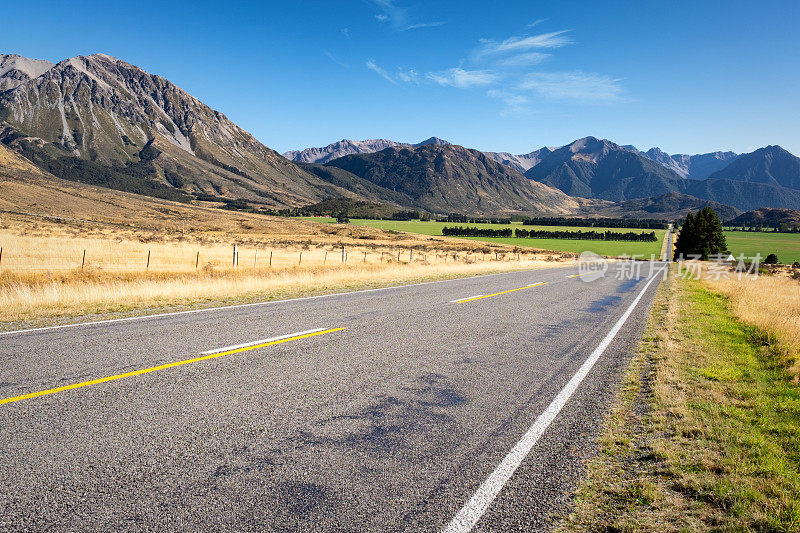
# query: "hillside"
743,195
103,121
667,206
767,217
41,203
451,178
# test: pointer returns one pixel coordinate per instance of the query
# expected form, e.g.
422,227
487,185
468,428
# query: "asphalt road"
389,424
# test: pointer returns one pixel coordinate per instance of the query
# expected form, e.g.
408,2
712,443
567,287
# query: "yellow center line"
502,292
574,276
162,367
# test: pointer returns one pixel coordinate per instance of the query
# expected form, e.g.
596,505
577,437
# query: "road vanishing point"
462,405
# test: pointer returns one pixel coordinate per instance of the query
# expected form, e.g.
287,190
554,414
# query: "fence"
183,258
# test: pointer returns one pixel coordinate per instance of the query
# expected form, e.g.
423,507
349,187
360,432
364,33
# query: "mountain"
743,195
101,120
766,217
521,162
697,167
16,70
450,178
668,206
771,165
347,147
595,168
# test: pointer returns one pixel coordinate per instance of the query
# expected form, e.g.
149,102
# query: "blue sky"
689,77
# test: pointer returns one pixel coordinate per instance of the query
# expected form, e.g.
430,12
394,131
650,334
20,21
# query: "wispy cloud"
380,72
425,25
535,23
555,39
346,32
336,60
526,59
408,76
398,17
509,71
458,77
576,86
513,102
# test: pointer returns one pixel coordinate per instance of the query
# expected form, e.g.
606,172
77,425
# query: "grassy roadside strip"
47,300
705,430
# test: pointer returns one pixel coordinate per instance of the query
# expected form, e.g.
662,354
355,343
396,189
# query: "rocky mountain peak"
16,70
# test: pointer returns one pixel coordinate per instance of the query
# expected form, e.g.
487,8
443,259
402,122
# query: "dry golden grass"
67,250
771,304
35,296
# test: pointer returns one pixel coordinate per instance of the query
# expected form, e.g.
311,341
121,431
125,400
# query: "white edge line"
467,298
252,304
535,284
262,341
473,510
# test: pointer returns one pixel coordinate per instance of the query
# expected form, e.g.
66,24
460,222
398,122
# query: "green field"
564,245
785,245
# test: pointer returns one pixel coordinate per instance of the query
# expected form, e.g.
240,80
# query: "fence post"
300,261
1,255
255,260
365,257
235,255
270,258
197,261
343,258
325,260
398,256
147,267
83,261
411,256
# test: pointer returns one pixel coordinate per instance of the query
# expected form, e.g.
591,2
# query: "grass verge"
705,432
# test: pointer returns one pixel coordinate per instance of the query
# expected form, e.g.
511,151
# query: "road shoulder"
703,432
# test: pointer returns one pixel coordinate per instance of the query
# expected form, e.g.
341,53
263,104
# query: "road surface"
463,405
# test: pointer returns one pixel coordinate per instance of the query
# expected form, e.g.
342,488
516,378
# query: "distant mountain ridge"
599,168
595,168
451,178
348,147
696,167
771,165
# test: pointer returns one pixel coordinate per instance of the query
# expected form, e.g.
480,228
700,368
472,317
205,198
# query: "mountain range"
99,120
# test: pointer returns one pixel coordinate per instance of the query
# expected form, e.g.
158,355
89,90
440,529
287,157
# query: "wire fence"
236,258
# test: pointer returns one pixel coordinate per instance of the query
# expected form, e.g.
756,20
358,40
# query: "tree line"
645,223
464,219
630,236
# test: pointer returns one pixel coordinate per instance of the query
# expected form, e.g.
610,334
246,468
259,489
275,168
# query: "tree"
701,235
771,259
